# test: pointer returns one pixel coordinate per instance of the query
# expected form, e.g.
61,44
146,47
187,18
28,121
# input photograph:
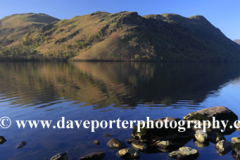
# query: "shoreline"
57,59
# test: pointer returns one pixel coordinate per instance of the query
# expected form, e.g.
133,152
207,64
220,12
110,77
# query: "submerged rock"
223,147
184,153
148,134
139,146
129,141
128,153
116,144
94,156
96,142
108,135
201,136
60,156
21,144
2,140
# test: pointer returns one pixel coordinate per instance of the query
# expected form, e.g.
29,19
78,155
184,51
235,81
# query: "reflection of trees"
109,83
172,82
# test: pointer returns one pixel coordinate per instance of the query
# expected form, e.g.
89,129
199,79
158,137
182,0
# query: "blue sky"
223,14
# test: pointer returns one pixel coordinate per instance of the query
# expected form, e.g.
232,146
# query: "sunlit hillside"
118,36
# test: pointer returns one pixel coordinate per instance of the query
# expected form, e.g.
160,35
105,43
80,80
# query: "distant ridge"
123,36
237,41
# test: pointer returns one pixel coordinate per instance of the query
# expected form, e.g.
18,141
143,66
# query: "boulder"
164,146
116,144
223,147
238,126
235,156
219,112
201,136
201,145
236,147
158,132
94,156
235,140
236,151
128,153
139,146
60,156
184,153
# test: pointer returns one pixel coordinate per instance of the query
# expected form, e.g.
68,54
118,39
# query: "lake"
107,91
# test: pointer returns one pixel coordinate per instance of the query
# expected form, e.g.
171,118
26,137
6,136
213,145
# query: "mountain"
117,36
237,41
16,26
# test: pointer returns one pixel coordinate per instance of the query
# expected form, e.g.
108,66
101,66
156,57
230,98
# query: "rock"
21,144
60,156
219,112
129,141
238,126
94,156
108,135
215,137
223,147
184,152
165,146
128,153
201,136
96,142
116,144
139,146
2,140
160,133
201,145
235,156
236,149
235,140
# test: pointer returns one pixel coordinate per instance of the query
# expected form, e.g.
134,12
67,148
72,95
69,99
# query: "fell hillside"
123,36
237,41
15,26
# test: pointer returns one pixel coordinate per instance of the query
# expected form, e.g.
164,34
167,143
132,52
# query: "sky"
223,14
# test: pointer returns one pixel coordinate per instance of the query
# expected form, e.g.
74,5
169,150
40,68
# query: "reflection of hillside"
180,81
107,83
236,81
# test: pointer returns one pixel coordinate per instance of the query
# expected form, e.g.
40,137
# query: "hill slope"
123,36
15,26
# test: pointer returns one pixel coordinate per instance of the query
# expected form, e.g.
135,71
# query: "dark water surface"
107,91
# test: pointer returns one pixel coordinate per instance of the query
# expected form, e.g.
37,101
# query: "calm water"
107,91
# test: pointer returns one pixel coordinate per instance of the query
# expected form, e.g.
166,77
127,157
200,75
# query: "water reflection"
110,91
112,83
